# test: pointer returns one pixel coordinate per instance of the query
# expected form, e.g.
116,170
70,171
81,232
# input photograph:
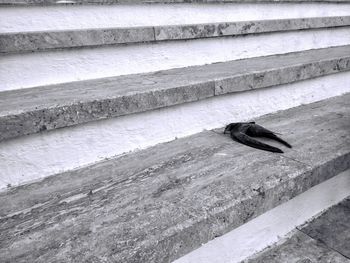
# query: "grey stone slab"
39,109
104,2
246,27
299,248
307,64
299,136
158,204
38,41
332,228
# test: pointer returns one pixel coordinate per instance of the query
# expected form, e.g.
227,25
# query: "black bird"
243,131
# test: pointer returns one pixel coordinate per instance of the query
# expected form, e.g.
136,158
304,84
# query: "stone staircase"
96,96
157,204
324,239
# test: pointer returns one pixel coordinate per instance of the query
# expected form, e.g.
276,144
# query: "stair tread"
32,110
157,204
44,40
323,239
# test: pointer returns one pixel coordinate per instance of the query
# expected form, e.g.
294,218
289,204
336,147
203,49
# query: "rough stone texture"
324,239
71,2
160,203
246,27
38,109
36,41
299,248
332,228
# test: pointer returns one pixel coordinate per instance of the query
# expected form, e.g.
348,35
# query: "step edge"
335,165
40,119
310,174
38,41
317,172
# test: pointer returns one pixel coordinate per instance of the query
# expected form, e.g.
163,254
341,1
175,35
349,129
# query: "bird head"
232,126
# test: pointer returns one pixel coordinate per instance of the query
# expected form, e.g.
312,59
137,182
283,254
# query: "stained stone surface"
332,228
33,110
158,204
71,2
299,248
36,41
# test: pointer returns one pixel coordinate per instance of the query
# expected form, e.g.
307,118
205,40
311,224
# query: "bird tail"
276,138
245,139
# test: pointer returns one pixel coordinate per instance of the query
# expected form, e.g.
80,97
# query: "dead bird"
244,131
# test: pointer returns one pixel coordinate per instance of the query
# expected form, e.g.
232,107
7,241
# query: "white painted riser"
43,68
270,227
33,157
19,19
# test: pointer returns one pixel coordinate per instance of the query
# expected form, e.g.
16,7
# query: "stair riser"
22,19
268,228
43,68
36,156
72,113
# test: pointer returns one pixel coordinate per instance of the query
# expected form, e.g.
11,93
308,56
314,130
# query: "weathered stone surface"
264,72
160,203
36,41
46,108
324,239
299,248
38,109
317,156
80,2
332,228
246,27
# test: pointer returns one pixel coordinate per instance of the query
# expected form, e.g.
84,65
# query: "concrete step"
29,111
299,247
158,204
112,37
67,65
61,17
264,231
46,40
323,239
39,155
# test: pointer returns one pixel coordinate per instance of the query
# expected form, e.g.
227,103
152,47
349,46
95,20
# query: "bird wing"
259,131
245,139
